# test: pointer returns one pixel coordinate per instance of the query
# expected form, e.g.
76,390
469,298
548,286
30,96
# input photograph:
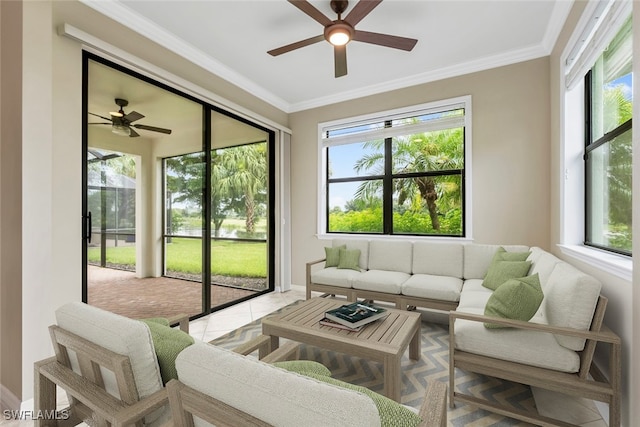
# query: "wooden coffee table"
384,340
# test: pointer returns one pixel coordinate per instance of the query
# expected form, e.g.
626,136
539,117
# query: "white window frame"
572,173
436,106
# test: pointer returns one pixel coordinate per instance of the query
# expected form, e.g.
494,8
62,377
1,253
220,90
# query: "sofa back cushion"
570,298
362,245
542,263
269,393
121,335
477,258
390,255
438,259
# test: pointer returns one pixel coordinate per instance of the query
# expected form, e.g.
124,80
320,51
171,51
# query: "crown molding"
561,10
145,27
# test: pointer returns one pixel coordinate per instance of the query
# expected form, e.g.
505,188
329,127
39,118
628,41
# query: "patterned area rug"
433,366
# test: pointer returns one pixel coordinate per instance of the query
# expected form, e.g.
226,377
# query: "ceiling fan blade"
133,116
102,117
387,40
296,45
340,60
111,124
133,133
360,10
152,128
310,10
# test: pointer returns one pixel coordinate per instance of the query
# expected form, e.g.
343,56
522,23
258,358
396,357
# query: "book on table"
329,322
356,314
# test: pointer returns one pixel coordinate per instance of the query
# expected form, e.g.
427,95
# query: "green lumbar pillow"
392,414
517,299
501,271
168,343
333,255
304,367
349,258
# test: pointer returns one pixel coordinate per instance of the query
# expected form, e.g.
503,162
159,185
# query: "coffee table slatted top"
384,340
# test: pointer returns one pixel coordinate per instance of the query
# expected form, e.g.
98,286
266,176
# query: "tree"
430,151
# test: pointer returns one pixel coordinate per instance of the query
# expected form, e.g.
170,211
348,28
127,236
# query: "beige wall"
510,155
10,202
51,210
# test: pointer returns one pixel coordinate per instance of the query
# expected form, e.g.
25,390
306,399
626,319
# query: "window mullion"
387,185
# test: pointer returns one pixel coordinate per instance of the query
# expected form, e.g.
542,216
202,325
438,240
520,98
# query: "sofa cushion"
381,281
501,271
348,259
570,301
529,347
517,299
121,335
443,288
257,388
390,255
438,259
362,245
477,258
332,276
332,255
542,263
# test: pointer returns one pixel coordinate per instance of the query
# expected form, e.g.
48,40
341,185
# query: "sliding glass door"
178,216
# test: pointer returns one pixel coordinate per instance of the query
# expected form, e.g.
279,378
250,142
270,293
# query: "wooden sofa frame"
589,382
401,302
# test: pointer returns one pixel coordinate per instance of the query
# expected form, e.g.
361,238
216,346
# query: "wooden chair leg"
44,399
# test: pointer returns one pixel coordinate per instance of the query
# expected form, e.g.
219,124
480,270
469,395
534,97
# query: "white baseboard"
8,400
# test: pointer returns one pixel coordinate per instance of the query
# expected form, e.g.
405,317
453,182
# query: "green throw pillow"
501,271
392,414
168,343
333,255
349,258
517,299
503,255
304,367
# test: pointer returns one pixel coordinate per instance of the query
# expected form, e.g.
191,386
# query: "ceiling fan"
341,31
121,123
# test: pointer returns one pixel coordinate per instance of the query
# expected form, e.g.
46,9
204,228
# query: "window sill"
611,263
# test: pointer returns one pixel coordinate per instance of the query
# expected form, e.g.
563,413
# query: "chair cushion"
257,388
434,287
121,335
517,299
168,343
543,264
392,414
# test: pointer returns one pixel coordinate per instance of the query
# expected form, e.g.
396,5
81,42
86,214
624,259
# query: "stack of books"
353,316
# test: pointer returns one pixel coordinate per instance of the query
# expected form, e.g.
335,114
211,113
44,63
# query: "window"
397,173
608,162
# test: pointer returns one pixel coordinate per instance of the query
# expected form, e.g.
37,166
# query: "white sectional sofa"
554,349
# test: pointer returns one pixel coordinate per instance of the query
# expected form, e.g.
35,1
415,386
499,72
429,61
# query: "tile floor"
577,411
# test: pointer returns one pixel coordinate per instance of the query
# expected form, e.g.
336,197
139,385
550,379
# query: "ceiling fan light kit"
121,123
339,32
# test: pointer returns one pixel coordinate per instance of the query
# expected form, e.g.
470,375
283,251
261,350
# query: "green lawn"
228,258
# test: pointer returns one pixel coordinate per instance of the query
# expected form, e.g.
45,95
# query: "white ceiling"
231,38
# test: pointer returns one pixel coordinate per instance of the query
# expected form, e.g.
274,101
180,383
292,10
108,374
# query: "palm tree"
432,151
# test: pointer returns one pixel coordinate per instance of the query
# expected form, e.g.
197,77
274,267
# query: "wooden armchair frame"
88,398
588,382
186,402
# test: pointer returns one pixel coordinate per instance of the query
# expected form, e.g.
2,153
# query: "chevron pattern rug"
433,366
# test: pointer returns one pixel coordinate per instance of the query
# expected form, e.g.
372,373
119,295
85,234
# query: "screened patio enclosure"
188,213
